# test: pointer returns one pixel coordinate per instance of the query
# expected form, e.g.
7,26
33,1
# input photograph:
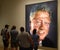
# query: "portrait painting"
43,18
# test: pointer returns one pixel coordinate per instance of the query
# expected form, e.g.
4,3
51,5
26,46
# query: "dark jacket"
47,43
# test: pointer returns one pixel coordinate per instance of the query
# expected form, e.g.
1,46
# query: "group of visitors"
23,40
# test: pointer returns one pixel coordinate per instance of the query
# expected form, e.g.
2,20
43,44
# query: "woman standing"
35,38
14,34
5,36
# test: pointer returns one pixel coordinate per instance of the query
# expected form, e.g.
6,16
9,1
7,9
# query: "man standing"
24,40
5,36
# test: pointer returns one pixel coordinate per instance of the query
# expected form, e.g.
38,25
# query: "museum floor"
40,48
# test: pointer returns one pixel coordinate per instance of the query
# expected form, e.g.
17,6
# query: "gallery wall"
12,12
58,24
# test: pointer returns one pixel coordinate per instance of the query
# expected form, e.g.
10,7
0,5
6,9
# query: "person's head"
41,22
7,26
34,31
22,29
13,27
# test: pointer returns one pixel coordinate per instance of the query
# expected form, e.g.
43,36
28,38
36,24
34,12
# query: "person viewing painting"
24,40
5,36
35,38
14,34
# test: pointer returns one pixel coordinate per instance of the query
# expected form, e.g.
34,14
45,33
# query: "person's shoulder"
19,35
3,30
16,31
37,35
26,33
13,31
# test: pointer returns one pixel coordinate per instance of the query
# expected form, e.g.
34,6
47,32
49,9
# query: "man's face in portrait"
41,22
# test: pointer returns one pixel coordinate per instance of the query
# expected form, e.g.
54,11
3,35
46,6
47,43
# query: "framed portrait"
43,18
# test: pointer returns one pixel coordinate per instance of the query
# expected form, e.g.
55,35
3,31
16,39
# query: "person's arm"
7,35
38,39
17,39
1,32
31,41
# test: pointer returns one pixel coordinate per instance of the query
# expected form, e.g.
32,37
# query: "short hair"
44,8
13,27
6,26
41,8
34,31
22,29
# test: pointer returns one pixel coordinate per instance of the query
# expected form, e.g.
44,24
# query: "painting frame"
53,26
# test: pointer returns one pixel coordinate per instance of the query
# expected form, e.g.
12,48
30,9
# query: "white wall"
12,12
